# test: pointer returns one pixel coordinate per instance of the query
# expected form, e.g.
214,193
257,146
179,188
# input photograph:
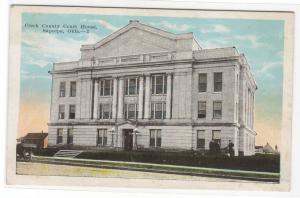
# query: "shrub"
45,151
267,163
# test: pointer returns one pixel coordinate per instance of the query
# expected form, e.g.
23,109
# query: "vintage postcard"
152,98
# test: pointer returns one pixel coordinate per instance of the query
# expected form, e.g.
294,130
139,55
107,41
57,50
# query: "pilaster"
96,96
169,96
121,99
147,97
141,97
115,97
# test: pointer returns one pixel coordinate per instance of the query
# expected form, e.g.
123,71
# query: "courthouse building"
145,88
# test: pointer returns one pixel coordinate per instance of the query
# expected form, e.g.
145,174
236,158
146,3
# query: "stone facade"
142,87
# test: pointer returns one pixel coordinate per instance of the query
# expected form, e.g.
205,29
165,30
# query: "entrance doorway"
128,139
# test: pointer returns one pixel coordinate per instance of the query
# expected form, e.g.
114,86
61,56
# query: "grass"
163,168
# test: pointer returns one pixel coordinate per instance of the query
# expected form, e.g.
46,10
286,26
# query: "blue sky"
260,40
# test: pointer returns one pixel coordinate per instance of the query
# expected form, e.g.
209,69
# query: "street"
32,168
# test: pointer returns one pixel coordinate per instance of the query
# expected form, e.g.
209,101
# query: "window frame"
70,137
101,111
153,112
127,86
217,139
202,83
63,113
59,136
218,81
73,89
154,84
102,87
201,110
214,110
157,140
202,138
62,89
70,113
102,138
126,110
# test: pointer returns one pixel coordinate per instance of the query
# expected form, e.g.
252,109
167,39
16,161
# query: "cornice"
147,64
145,123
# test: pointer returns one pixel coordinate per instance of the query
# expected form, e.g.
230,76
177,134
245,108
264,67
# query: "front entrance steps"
67,153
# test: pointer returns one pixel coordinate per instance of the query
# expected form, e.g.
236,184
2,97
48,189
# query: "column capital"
169,73
115,76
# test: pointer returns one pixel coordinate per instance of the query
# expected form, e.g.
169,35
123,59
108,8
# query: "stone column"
121,97
246,106
169,96
147,97
78,98
250,109
115,97
253,110
96,95
141,97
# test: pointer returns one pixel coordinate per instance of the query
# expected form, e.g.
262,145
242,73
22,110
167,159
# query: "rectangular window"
152,110
158,110
217,81
216,135
131,111
105,111
202,82
59,138
217,109
155,137
201,139
164,110
73,89
131,86
61,112
159,84
62,89
102,137
70,136
202,109
158,138
152,138
106,87
72,112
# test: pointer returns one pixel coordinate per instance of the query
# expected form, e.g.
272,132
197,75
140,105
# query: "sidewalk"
163,168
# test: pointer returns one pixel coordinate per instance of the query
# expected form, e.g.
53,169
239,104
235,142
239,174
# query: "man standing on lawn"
230,148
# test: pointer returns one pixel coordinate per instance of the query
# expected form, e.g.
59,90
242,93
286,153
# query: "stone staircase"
67,153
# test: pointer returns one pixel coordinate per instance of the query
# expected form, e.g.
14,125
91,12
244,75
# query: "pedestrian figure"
217,147
211,147
230,148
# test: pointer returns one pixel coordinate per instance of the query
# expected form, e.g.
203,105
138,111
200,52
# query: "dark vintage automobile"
24,151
